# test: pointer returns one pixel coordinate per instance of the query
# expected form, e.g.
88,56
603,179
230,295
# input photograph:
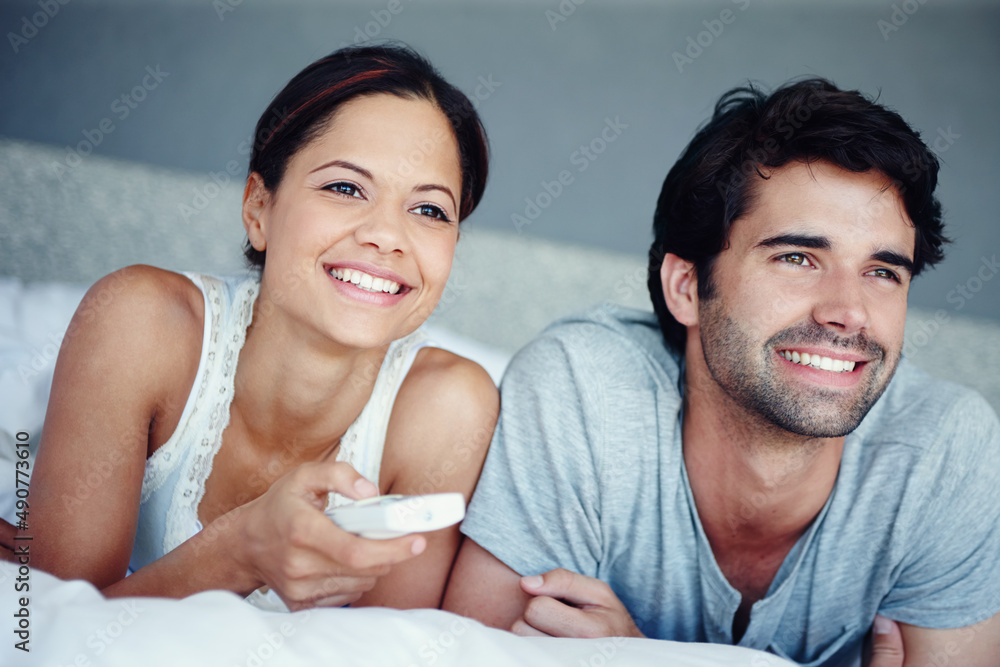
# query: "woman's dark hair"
303,108
713,181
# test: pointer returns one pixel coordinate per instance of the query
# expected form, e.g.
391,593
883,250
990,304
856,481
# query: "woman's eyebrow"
443,188
346,165
367,174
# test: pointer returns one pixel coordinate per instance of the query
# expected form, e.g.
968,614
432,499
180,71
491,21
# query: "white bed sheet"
72,624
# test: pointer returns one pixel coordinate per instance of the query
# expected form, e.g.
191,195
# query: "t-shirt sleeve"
537,504
950,577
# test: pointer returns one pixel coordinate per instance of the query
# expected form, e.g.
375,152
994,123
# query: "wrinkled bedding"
72,624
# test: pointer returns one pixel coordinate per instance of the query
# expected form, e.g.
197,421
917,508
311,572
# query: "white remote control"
385,517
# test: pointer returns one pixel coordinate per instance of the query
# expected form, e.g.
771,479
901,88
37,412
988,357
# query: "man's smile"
836,364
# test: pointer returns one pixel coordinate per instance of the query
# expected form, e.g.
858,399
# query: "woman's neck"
293,386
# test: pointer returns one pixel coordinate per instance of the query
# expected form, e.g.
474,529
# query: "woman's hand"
285,541
7,534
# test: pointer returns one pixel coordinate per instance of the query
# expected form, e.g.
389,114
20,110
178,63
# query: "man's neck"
757,488
749,488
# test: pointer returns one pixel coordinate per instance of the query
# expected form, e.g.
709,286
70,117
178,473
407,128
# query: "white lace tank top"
174,480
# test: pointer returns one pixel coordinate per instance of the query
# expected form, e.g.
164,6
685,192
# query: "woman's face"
361,231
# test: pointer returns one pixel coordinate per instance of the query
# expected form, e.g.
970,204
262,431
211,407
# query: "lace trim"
169,455
363,442
226,340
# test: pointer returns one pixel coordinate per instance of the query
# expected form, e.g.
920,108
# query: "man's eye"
795,258
344,188
885,273
430,211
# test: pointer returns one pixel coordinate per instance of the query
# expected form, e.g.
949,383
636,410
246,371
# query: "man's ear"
679,280
255,201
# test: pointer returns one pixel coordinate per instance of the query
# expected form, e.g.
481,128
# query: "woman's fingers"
302,554
362,555
520,627
320,478
331,592
316,531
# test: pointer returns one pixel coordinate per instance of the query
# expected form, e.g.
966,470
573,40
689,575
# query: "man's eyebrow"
890,257
443,188
800,240
346,165
893,258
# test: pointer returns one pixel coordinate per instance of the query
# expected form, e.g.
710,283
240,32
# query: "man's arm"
975,645
558,603
484,588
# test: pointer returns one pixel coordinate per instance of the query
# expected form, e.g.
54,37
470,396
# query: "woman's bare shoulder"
141,318
440,377
442,420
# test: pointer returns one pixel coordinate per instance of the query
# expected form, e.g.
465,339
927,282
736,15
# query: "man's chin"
819,416
835,427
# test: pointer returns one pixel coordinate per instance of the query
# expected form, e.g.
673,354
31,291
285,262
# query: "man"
754,465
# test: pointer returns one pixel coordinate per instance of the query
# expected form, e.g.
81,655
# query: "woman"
239,405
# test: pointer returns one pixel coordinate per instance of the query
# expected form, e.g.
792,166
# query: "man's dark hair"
711,185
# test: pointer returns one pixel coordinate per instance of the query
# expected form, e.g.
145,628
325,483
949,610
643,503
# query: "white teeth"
817,361
365,281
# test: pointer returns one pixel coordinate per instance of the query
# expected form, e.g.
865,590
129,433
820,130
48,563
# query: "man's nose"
841,303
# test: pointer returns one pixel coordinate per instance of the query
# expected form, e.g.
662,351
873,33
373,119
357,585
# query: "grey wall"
545,87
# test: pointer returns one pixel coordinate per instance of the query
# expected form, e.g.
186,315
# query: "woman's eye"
430,211
344,188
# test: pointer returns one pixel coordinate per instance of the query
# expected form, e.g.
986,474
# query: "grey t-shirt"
585,472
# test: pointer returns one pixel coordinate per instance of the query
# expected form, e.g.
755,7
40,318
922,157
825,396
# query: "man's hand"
567,604
887,644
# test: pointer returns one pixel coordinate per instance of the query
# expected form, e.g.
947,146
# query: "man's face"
805,325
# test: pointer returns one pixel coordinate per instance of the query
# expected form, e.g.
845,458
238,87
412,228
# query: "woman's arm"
128,358
439,432
281,539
